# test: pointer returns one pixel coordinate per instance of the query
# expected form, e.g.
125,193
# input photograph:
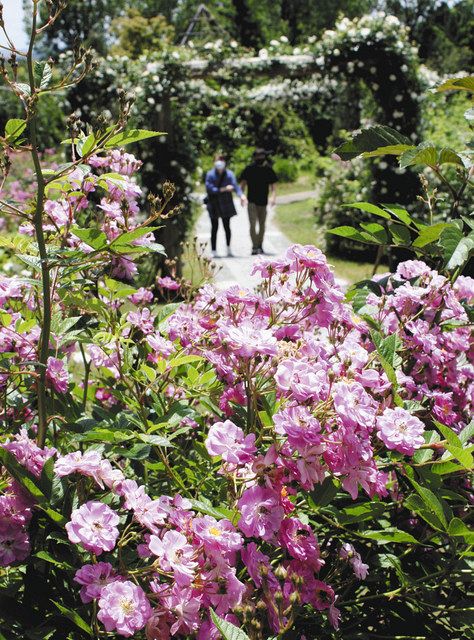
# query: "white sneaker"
214,254
229,253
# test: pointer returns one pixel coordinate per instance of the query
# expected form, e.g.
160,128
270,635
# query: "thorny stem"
38,225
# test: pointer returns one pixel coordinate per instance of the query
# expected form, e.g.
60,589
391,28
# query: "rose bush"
276,463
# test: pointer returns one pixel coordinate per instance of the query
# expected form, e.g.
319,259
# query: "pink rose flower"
401,431
57,374
94,526
14,544
93,578
261,513
227,440
176,555
300,541
168,283
248,340
124,608
217,536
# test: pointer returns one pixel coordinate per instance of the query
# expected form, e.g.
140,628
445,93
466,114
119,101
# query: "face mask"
219,165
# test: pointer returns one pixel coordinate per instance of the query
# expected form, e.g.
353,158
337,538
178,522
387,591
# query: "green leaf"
14,128
467,433
227,630
458,528
390,150
124,241
390,534
431,502
455,246
23,88
74,617
415,503
180,360
429,234
400,234
425,153
361,512
156,441
370,208
348,232
43,74
216,512
376,230
85,145
133,135
44,555
373,139
448,156
92,237
324,493
457,84
385,347
423,455
401,214
21,475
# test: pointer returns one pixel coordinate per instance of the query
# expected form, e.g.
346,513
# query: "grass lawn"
296,220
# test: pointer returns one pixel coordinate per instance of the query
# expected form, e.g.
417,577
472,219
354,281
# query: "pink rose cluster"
16,505
192,560
119,206
430,317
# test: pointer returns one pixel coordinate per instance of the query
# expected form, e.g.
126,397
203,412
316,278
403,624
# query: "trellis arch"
170,86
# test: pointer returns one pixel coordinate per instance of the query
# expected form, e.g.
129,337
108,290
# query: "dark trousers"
214,228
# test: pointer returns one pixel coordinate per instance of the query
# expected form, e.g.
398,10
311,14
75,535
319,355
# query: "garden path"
237,270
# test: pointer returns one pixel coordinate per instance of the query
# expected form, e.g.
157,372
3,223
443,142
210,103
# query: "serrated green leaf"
429,234
373,139
457,528
425,153
92,237
400,234
218,513
455,246
376,230
324,493
390,150
43,74
125,239
348,232
14,128
227,630
457,84
132,135
21,475
400,213
431,502
370,208
467,433
390,534
415,504
74,617
448,156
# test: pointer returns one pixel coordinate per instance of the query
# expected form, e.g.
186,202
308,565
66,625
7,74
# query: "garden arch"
373,51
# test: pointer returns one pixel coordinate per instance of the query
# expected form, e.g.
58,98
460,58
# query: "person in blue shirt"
221,183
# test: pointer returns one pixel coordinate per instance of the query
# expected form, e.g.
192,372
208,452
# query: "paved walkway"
237,270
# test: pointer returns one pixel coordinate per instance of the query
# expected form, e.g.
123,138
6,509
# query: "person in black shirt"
258,178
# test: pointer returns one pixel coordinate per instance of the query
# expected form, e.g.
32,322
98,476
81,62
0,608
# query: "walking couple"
258,178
